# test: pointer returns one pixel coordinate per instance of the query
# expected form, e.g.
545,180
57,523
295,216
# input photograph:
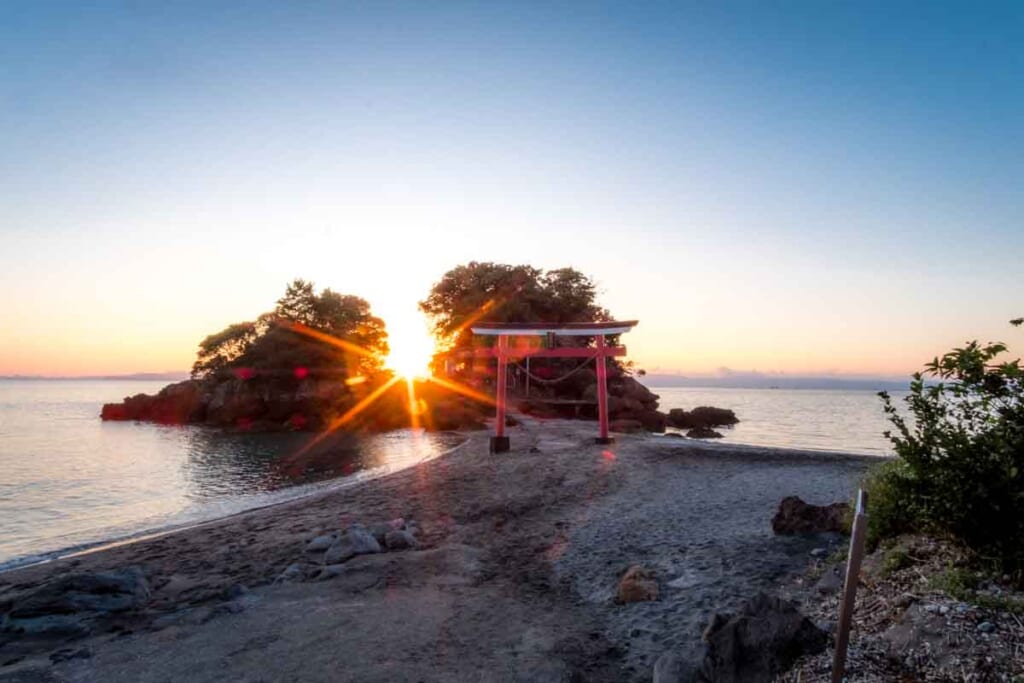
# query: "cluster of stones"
337,547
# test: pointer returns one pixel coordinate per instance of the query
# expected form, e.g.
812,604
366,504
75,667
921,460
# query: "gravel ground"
701,519
513,579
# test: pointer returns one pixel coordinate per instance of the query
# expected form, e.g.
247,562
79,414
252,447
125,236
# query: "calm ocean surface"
815,419
69,480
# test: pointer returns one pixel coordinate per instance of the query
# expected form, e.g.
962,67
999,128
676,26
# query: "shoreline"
541,535
723,445
328,486
300,492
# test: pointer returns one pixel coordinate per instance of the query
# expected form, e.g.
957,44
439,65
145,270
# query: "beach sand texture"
514,578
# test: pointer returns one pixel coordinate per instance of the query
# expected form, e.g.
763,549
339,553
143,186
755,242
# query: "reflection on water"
69,479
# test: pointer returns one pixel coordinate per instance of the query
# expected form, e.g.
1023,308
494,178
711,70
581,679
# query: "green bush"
889,485
960,457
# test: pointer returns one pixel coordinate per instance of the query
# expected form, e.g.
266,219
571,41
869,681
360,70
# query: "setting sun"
411,347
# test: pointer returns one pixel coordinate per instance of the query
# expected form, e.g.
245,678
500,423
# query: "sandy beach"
513,577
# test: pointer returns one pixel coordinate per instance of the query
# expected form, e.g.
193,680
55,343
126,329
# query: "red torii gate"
502,351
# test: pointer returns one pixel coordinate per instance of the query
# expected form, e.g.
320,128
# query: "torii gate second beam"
598,330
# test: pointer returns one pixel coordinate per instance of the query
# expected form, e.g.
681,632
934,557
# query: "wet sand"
514,578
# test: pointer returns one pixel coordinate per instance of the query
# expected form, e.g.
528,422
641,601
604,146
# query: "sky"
793,187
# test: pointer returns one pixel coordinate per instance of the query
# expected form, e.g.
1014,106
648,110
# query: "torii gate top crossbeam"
557,329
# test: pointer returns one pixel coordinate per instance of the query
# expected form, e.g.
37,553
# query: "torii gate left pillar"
499,443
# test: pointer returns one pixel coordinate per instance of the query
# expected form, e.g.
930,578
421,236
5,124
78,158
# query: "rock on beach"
638,584
794,516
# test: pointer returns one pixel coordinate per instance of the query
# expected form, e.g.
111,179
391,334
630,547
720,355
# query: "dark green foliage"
960,467
218,351
892,508
497,292
274,345
962,584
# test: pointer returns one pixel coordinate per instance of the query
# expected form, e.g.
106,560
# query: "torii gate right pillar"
602,392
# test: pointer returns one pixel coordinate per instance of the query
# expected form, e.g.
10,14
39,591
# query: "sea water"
851,421
69,480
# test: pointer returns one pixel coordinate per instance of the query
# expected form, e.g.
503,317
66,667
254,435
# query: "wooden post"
602,392
500,442
527,377
857,537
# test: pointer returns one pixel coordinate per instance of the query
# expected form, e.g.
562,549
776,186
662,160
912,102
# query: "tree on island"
290,338
297,367
497,292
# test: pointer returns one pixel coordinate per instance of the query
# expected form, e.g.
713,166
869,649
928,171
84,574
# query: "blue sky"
784,187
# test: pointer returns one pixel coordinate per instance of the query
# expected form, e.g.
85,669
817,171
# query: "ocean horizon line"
653,380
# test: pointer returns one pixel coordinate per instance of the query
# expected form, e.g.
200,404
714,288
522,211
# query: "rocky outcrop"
630,401
701,417
70,605
179,403
794,516
265,402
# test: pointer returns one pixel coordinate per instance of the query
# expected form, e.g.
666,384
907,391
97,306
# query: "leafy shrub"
960,459
891,511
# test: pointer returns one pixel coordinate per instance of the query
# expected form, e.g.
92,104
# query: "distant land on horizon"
766,381
169,376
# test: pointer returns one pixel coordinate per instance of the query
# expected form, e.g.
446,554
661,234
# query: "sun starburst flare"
409,360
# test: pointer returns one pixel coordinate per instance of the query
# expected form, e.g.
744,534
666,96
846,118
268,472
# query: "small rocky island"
317,360
253,402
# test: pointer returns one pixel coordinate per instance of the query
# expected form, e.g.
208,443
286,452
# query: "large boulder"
709,416
701,416
794,516
759,642
67,606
